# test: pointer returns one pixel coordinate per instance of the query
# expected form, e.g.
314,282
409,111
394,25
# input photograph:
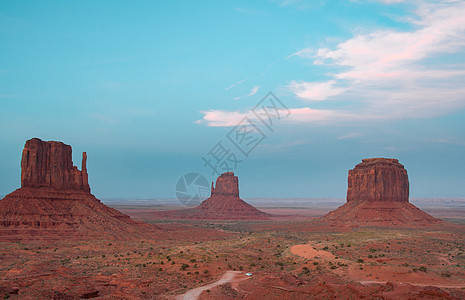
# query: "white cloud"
235,84
254,90
306,52
316,91
222,118
384,74
306,114
388,74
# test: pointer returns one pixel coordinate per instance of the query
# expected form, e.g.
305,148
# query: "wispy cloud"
235,84
349,135
306,52
223,118
383,74
388,71
282,147
316,91
448,141
254,90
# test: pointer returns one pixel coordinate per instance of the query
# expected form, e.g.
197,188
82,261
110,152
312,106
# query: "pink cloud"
385,73
385,70
306,114
316,91
221,118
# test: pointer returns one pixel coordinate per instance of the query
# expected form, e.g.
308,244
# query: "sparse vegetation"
202,262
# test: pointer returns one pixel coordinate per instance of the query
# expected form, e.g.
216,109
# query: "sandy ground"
229,276
288,260
401,275
308,251
365,282
378,274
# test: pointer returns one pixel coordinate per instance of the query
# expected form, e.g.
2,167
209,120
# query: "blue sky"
148,88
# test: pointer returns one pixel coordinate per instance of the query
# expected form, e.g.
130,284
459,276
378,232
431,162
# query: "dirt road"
229,276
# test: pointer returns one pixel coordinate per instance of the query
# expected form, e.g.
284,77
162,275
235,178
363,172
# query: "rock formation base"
379,213
223,204
377,195
55,199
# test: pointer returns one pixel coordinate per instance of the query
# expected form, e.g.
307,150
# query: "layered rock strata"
378,194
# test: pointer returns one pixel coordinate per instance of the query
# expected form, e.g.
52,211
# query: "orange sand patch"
308,251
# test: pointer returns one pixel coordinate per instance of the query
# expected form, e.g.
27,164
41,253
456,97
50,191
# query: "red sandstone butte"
55,199
378,179
49,164
223,204
226,185
378,194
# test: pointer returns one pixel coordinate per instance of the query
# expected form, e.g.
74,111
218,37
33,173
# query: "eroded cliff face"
49,164
377,195
226,184
225,203
55,199
378,179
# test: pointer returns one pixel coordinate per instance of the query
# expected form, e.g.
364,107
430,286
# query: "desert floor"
288,258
